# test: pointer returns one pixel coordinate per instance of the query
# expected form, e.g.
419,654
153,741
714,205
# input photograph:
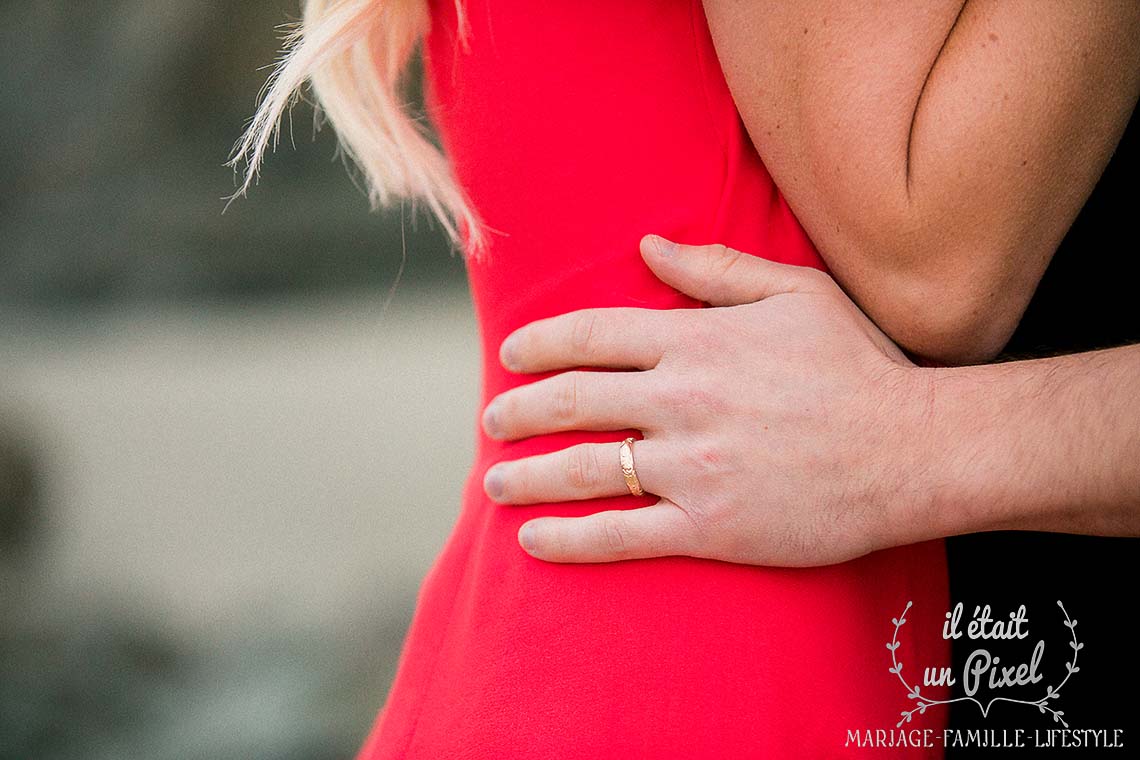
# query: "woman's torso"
577,127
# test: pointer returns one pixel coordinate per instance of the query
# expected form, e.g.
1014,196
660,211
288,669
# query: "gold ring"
625,457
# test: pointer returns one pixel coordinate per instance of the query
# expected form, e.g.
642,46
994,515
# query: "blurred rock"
19,491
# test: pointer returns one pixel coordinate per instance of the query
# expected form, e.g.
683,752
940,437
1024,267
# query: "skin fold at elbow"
940,321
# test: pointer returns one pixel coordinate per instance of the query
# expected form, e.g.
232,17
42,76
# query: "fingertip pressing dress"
576,128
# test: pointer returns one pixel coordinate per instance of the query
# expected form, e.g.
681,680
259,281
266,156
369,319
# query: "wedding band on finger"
628,469
581,471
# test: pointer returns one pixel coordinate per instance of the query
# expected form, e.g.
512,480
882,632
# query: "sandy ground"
233,471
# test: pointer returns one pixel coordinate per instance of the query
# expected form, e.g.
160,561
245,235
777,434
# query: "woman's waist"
855,599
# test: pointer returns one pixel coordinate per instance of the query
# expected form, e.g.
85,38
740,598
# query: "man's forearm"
1050,445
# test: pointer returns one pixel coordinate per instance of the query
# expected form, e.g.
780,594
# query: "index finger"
619,337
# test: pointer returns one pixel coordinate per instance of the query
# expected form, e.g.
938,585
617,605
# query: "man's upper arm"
935,149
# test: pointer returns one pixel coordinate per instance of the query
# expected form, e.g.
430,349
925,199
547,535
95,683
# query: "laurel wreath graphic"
922,703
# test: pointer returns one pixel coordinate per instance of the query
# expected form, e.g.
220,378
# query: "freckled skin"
881,158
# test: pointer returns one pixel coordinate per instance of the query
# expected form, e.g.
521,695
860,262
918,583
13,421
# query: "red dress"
577,127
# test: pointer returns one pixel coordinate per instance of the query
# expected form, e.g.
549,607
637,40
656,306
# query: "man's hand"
778,425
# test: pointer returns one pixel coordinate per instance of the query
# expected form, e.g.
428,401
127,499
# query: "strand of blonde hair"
355,53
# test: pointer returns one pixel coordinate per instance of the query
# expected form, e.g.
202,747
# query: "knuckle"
710,402
583,332
582,470
613,536
566,398
725,258
700,477
672,396
692,399
705,454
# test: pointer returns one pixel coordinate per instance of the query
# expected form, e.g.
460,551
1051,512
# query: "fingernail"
490,420
528,537
508,350
493,482
664,247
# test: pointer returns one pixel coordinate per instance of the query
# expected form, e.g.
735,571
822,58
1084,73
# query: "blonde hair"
355,54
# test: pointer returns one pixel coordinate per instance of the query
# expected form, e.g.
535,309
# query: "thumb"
722,276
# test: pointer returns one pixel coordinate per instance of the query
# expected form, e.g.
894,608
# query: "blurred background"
214,429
